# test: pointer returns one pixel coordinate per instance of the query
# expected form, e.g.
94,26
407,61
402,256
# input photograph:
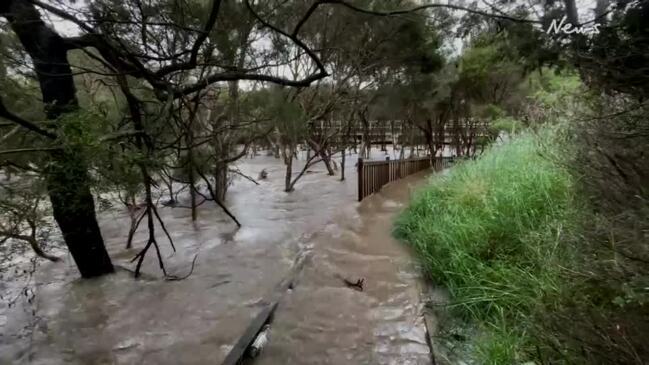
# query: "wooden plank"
265,316
235,356
430,328
372,179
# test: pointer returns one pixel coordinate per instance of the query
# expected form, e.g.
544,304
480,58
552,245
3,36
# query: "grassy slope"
492,233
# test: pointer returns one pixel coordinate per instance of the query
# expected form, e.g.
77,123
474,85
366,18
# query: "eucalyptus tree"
385,49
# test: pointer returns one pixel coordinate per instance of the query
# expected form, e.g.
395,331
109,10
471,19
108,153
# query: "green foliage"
286,115
505,124
501,344
488,71
491,231
85,134
608,308
374,45
476,62
493,111
551,88
615,59
81,130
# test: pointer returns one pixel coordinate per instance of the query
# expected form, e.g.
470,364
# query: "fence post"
360,179
386,171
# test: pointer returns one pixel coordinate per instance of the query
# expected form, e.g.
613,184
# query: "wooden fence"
372,175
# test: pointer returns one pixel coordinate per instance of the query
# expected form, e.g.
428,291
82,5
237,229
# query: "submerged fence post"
360,179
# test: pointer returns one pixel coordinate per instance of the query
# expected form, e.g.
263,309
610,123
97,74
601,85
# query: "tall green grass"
491,231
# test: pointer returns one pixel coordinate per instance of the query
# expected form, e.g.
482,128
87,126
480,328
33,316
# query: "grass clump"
492,232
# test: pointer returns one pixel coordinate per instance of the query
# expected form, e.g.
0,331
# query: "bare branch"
26,150
4,113
498,15
193,58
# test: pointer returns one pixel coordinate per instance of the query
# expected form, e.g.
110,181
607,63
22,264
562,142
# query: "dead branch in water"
356,285
215,199
178,278
238,172
151,211
144,144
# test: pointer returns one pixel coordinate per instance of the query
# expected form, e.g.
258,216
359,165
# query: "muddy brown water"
322,321
119,320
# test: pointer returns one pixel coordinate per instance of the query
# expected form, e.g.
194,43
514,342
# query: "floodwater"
117,319
323,321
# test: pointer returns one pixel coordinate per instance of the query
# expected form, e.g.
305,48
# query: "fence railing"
372,175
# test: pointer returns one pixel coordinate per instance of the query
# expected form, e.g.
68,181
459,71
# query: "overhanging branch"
499,15
4,113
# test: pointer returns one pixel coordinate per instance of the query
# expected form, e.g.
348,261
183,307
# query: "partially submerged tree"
143,42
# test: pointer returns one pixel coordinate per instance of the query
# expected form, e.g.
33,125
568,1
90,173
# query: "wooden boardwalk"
372,175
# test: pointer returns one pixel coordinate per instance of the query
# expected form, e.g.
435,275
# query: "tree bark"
366,144
324,156
221,181
326,159
571,12
288,161
66,176
342,164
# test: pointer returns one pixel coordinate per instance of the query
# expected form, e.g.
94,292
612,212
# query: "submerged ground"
119,320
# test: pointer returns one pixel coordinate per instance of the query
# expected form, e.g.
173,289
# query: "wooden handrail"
373,175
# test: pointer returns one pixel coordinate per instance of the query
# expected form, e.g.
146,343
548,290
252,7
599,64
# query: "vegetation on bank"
493,232
541,241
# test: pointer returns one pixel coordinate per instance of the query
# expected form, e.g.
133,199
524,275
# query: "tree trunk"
224,146
326,159
74,211
428,137
221,181
571,12
600,11
324,156
381,126
288,161
66,176
342,164
191,169
287,179
366,145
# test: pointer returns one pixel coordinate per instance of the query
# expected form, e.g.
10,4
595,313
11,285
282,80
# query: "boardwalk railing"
372,175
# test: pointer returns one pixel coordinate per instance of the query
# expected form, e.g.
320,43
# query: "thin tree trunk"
132,212
600,11
221,181
342,164
326,159
287,180
571,12
366,144
191,174
288,161
224,148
